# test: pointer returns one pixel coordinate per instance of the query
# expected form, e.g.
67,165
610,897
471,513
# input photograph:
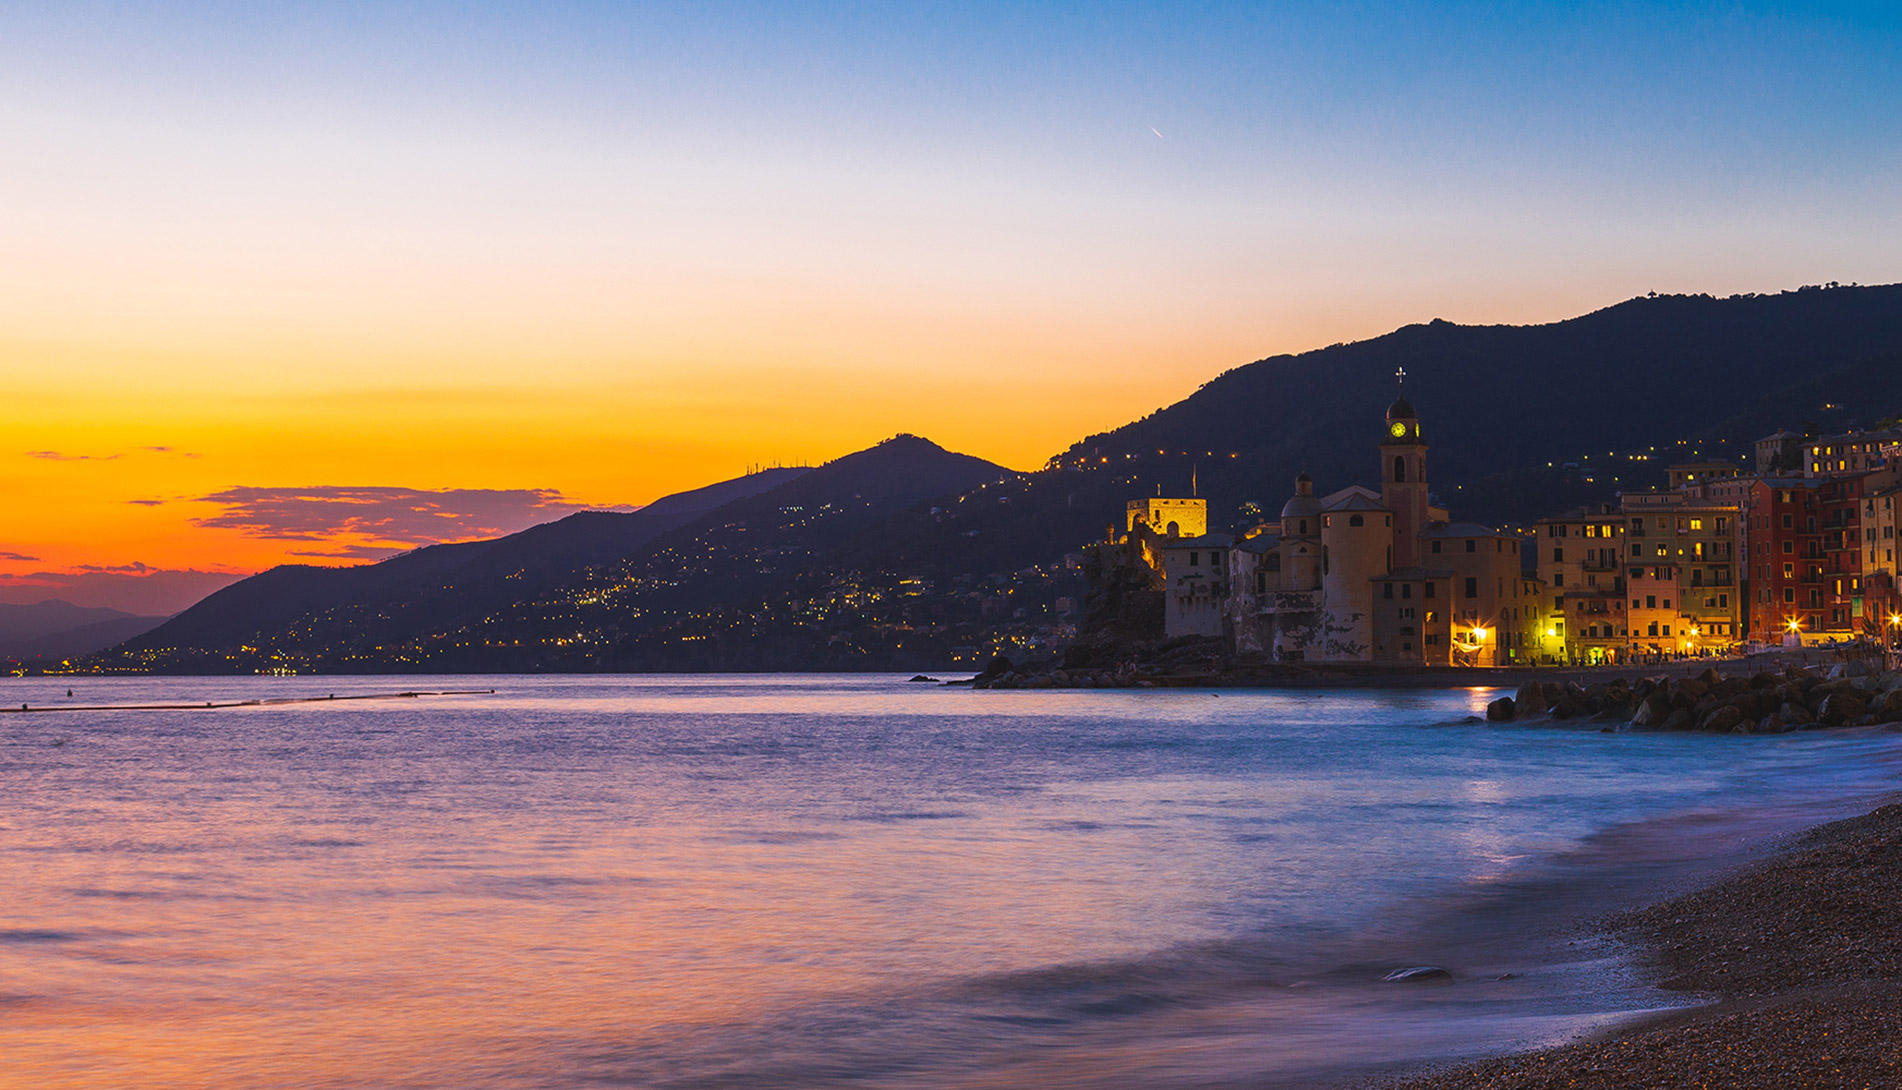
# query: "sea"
838,881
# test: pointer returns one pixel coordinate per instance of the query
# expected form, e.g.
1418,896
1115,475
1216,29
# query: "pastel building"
1360,575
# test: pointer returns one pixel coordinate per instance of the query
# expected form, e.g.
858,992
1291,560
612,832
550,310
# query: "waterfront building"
1698,539
1380,576
1785,558
1195,573
1581,565
1656,625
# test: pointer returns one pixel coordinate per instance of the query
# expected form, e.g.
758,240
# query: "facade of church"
1354,576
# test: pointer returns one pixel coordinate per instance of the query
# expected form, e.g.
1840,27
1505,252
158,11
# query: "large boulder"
1722,720
1501,710
1840,708
1530,699
1685,692
1771,724
1888,706
1652,712
1796,713
1679,719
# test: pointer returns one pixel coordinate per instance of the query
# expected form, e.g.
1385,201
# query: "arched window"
1399,468
1261,578
1304,527
1356,520
1274,561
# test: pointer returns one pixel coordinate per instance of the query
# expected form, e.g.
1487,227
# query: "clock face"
1397,428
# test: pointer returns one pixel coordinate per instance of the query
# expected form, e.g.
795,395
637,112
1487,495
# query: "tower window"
1356,520
1399,468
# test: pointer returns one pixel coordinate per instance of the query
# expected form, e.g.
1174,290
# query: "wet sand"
1802,955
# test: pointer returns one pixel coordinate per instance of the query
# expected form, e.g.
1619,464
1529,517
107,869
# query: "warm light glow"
1793,624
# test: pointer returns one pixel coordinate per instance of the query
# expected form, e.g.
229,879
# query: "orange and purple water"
725,882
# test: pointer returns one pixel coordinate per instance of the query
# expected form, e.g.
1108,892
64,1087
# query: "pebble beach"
1800,961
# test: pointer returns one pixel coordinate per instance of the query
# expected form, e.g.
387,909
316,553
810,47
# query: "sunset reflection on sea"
788,881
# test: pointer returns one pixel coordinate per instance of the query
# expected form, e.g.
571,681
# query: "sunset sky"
319,282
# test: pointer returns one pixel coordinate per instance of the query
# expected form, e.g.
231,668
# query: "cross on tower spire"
1400,373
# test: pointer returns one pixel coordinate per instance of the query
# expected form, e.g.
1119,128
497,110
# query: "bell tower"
1403,488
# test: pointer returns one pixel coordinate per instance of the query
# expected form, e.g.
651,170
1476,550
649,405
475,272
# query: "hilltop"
906,555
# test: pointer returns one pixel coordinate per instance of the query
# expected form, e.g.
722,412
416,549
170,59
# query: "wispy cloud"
65,456
374,517
147,503
352,552
17,557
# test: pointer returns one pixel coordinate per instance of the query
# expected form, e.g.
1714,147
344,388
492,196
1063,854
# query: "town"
1797,549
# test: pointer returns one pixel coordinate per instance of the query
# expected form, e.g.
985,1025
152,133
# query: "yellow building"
1581,563
1170,517
1698,539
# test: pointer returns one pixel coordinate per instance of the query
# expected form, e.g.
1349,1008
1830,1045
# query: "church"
1356,575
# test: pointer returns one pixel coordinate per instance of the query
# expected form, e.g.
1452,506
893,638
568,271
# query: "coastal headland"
1799,958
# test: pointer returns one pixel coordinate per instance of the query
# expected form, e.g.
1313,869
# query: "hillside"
908,554
429,588
563,595
1497,404
55,630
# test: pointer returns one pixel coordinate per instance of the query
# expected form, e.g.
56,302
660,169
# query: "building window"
1558,554
1406,590
1399,468
1428,593
1472,587
1436,546
1355,520
1471,545
1274,561
1195,560
1386,590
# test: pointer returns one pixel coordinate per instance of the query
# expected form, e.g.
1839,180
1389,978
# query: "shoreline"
1797,955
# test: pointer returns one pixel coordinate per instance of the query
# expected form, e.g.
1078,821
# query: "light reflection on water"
803,881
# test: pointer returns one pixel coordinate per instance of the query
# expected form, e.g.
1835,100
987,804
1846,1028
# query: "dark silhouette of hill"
433,586
55,630
1497,404
1523,421
517,602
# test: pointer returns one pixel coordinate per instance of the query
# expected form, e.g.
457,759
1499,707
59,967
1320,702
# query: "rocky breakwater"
1762,703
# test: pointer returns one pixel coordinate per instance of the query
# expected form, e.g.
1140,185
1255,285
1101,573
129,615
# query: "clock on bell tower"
1403,487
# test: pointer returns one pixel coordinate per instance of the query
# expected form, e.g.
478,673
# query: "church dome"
1302,504
1401,409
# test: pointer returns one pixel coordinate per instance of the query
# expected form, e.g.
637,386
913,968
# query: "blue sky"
610,251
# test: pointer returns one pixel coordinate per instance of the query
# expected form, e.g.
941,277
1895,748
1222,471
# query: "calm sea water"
832,881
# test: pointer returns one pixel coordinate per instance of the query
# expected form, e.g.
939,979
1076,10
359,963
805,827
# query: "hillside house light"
1793,625
1479,635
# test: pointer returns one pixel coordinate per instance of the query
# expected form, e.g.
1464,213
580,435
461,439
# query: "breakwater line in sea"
214,705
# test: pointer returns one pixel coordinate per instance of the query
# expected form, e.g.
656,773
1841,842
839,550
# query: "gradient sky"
309,281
